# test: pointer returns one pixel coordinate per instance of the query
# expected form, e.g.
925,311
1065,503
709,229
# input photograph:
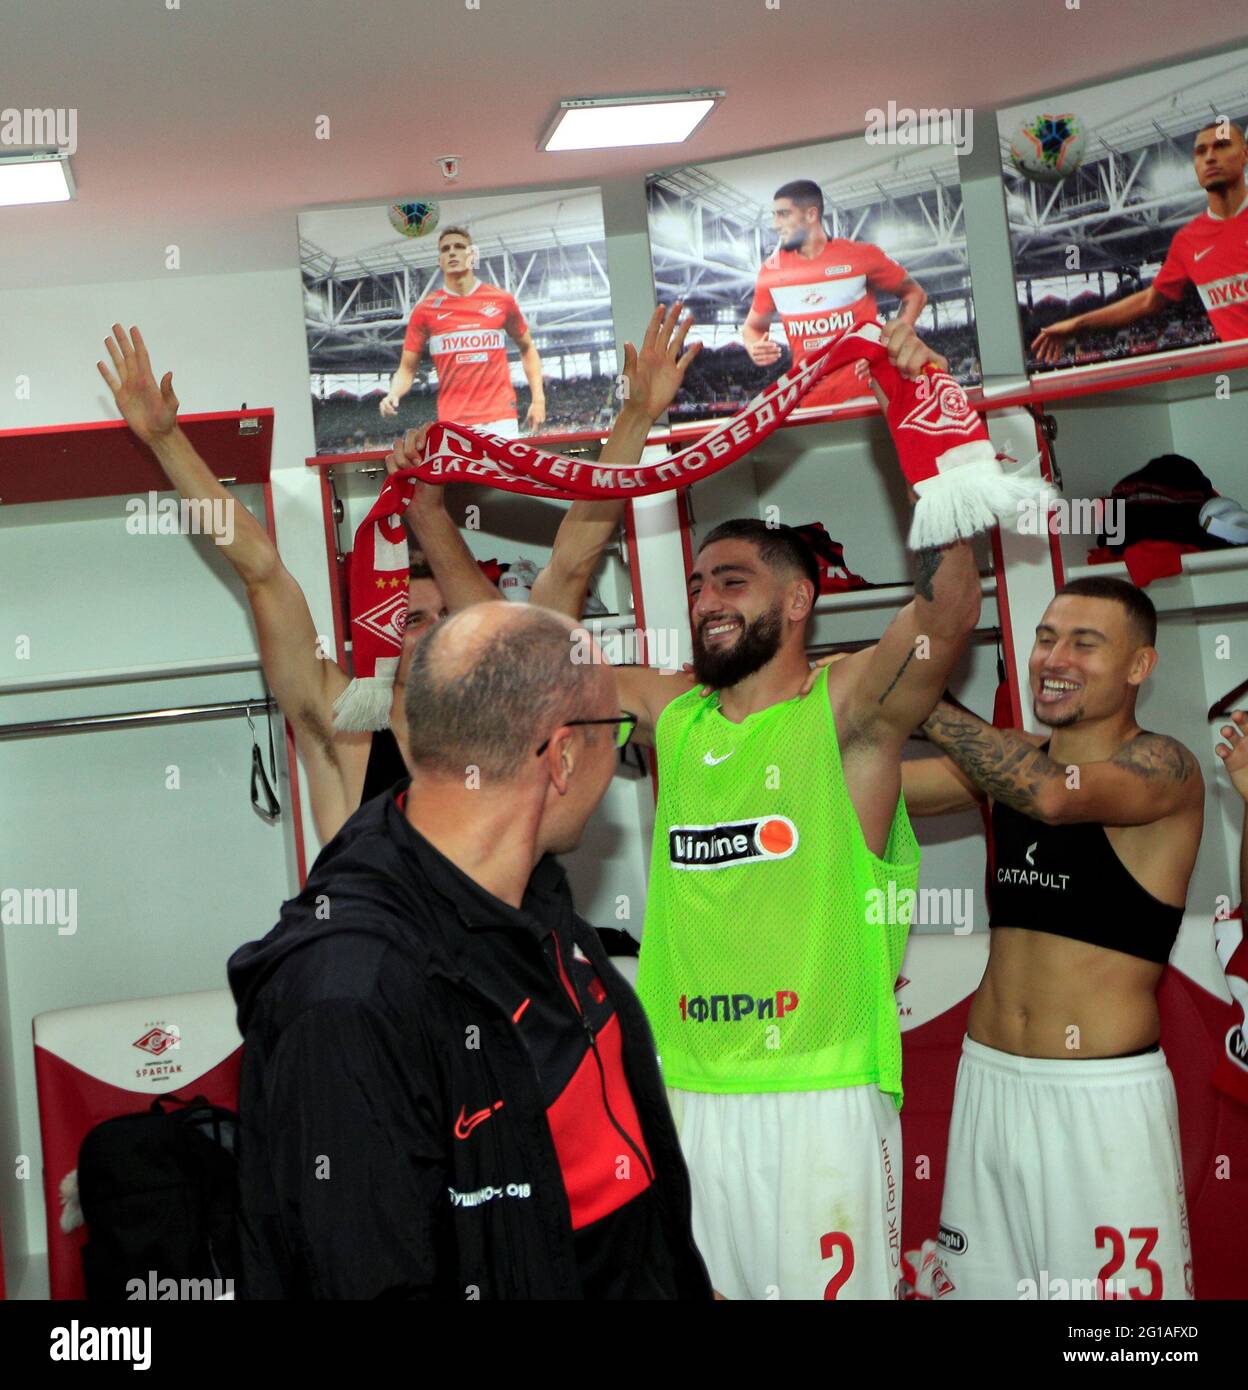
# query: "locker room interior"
219,159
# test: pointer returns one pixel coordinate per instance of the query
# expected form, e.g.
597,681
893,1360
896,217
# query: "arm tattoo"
927,562
1007,767
1156,757
901,671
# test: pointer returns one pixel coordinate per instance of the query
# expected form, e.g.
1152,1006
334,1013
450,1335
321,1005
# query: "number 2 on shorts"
837,1240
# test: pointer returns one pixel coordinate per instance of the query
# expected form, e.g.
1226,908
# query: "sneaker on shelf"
517,581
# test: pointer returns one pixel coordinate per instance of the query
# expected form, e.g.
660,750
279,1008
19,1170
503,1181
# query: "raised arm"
304,678
151,411
652,377
1149,778
457,574
902,676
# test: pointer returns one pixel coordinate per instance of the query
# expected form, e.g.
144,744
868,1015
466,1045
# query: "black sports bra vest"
1066,880
385,765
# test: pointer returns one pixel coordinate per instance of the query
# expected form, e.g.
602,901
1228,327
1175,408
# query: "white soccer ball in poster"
417,218
1048,148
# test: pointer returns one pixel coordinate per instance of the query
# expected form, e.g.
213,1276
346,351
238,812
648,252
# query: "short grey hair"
492,707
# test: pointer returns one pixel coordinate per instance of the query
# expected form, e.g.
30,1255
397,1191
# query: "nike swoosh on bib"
1196,255
711,761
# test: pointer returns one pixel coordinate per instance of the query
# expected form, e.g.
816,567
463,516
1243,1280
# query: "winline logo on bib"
734,842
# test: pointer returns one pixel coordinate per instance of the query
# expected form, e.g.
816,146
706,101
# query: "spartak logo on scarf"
941,407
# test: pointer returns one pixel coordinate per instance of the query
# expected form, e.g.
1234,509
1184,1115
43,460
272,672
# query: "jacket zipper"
578,1003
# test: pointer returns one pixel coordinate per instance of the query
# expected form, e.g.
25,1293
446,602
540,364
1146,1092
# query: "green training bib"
764,963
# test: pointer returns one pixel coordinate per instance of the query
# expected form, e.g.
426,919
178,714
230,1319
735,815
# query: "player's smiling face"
1220,155
792,224
1084,661
737,608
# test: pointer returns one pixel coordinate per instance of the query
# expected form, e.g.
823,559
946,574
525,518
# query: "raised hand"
907,351
151,411
1234,752
427,497
654,375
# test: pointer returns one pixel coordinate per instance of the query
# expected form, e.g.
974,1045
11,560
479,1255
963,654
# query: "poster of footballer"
775,253
489,311
1128,220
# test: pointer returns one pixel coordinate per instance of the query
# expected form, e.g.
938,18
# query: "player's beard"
794,241
758,643
1058,721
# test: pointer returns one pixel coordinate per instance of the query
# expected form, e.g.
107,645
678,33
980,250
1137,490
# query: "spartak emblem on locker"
157,1041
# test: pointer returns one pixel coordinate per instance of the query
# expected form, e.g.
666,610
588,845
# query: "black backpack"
159,1194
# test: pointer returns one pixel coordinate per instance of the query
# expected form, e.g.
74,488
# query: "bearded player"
466,325
769,993
819,287
1210,252
1064,1158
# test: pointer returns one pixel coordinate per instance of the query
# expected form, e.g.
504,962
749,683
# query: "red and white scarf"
941,442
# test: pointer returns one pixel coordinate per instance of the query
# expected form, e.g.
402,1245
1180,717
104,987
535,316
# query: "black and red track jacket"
444,1097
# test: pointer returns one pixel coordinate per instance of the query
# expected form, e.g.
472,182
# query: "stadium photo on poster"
491,311
776,253
1127,212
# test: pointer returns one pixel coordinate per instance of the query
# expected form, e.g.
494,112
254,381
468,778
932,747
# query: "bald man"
448,1091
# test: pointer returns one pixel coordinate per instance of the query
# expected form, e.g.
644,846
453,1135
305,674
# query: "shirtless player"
1064,1158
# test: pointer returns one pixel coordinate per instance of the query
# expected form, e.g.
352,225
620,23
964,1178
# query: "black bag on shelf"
159,1194
1162,502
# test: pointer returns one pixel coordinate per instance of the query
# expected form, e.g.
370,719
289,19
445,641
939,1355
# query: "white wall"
169,881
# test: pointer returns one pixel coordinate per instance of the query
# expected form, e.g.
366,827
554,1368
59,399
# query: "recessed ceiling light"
604,123
35,178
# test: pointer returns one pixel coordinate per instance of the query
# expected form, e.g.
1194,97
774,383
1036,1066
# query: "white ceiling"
196,124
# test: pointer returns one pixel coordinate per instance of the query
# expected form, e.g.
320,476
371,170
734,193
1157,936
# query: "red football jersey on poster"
817,297
1212,252
467,338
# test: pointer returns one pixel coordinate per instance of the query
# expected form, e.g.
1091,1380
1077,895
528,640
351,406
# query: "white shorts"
1062,1173
508,428
796,1194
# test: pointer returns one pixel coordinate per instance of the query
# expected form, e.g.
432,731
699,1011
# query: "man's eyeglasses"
626,722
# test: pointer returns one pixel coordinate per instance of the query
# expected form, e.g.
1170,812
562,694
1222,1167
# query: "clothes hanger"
1229,701
269,808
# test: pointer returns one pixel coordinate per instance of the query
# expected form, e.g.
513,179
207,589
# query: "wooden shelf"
54,463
